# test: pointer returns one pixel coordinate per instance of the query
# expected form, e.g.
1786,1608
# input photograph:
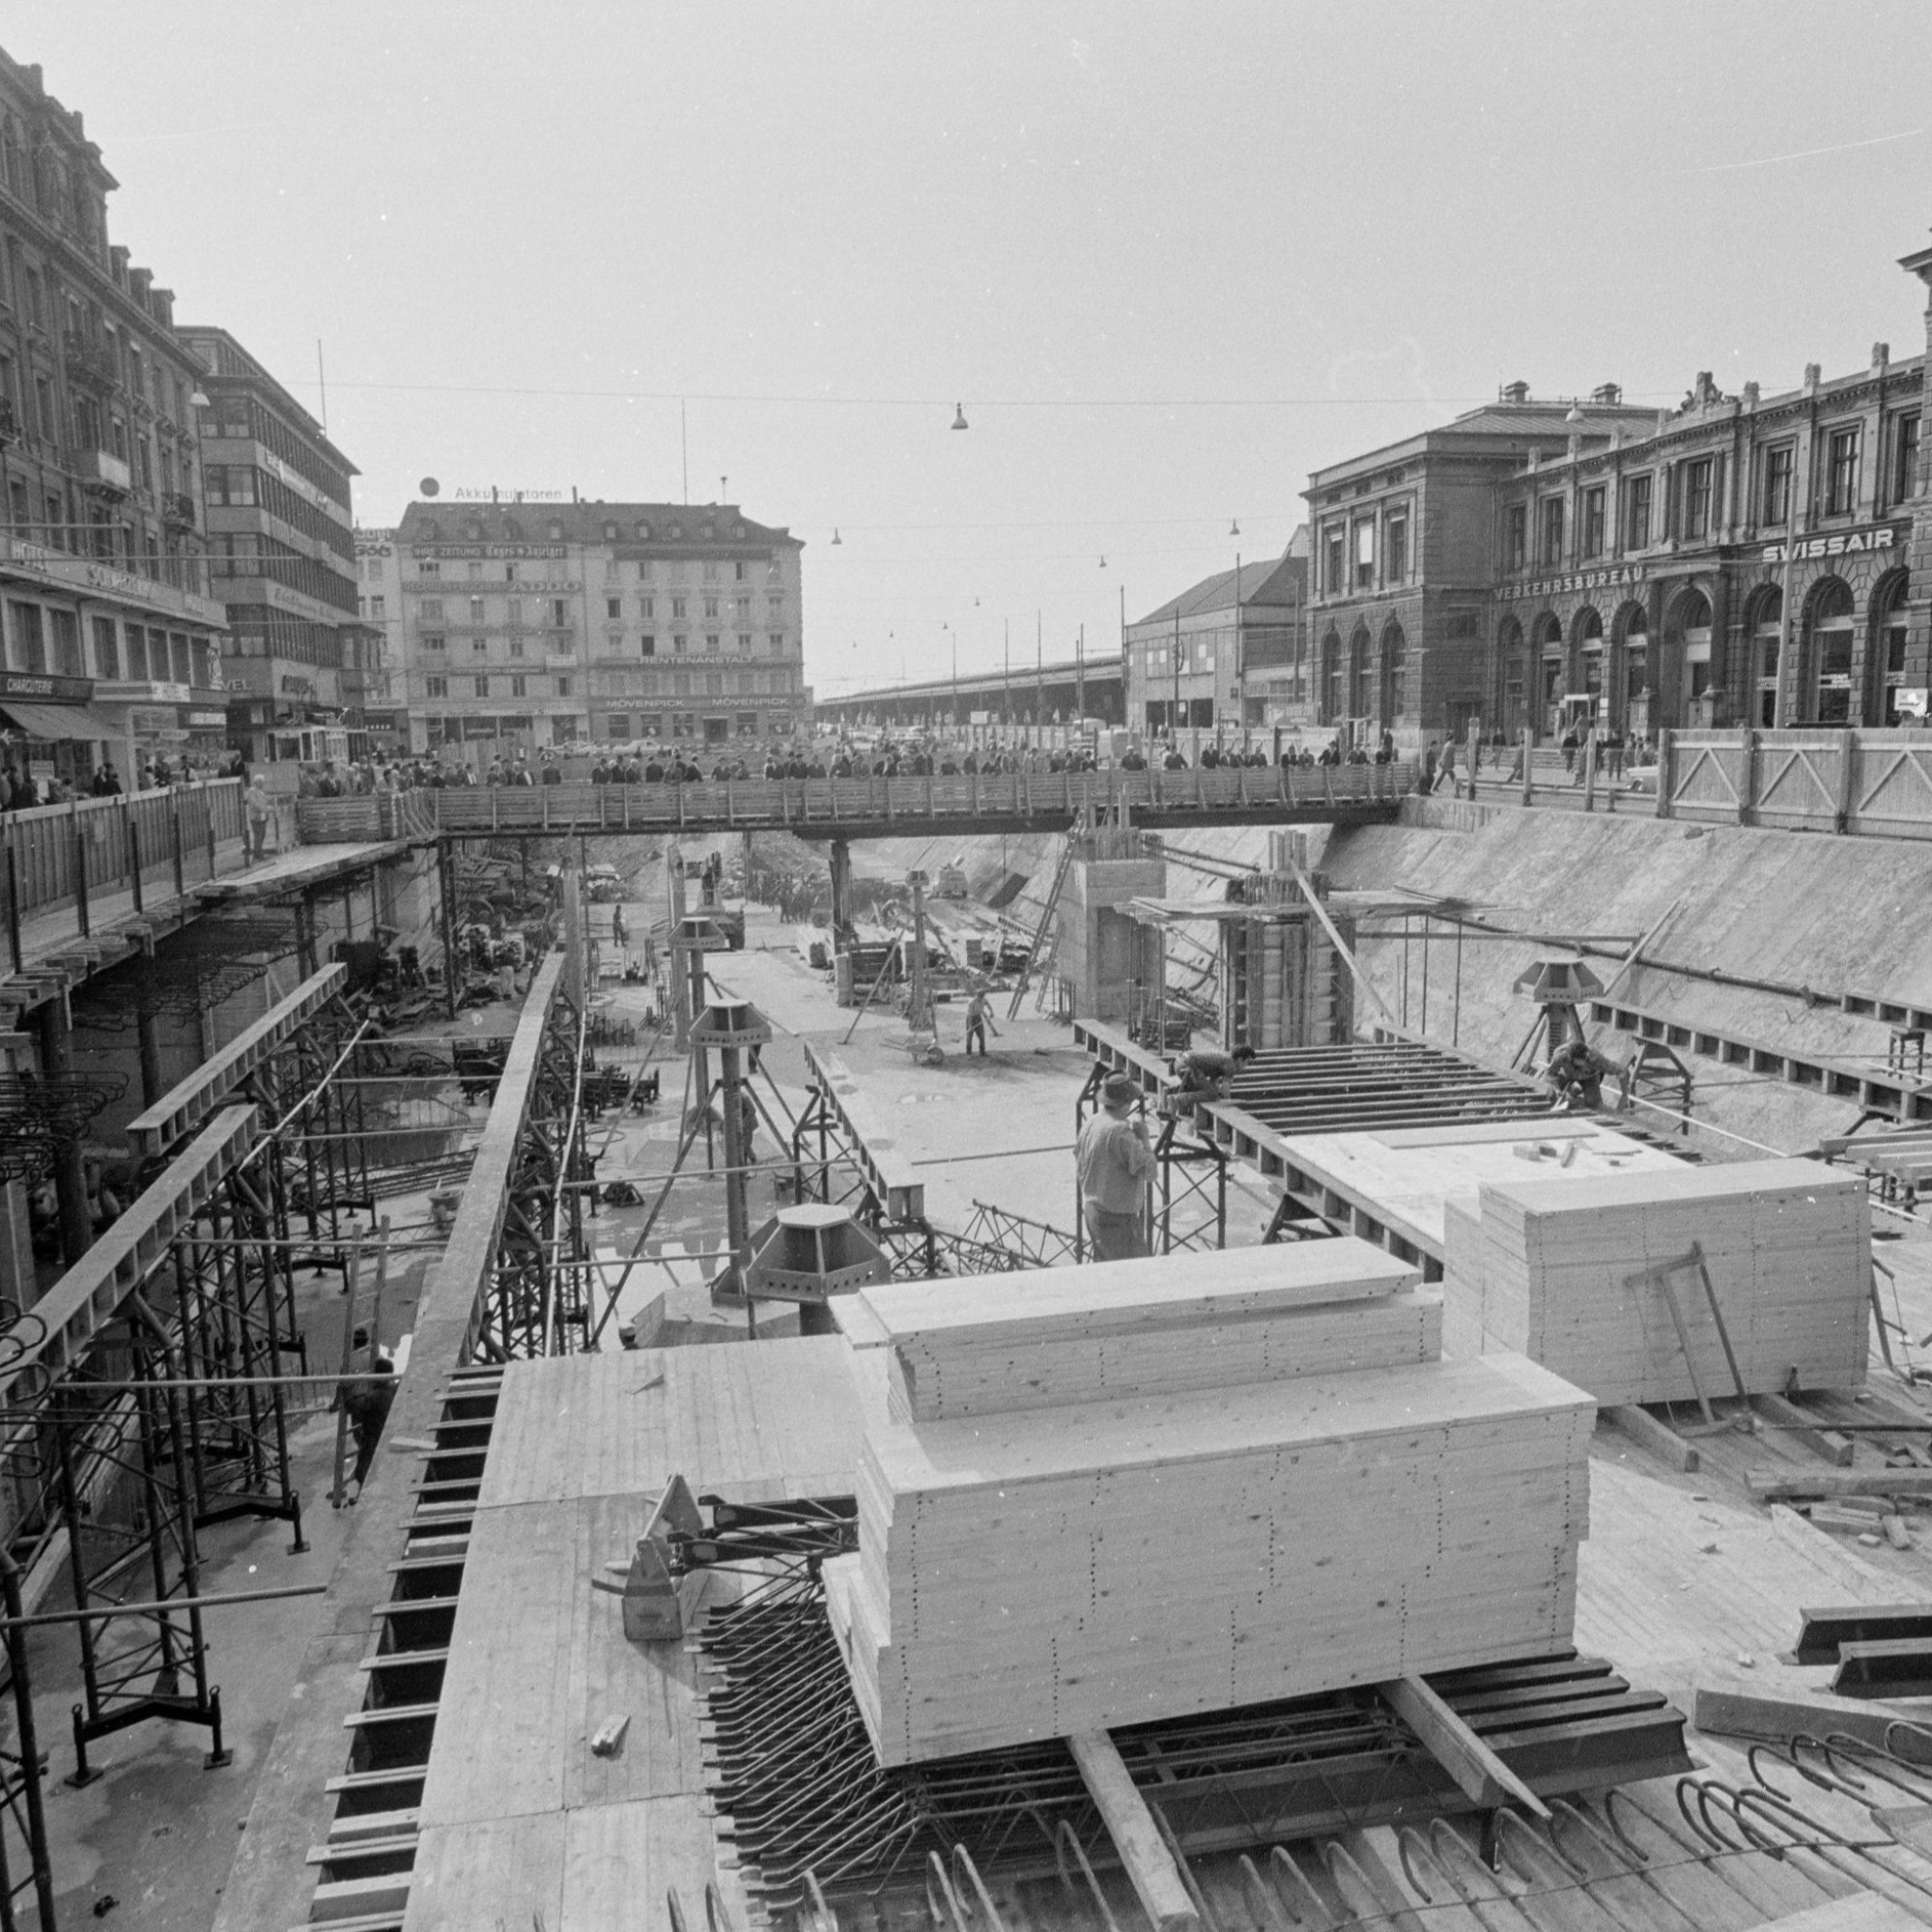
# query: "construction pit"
1475,1511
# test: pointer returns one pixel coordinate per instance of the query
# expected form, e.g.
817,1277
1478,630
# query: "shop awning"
52,722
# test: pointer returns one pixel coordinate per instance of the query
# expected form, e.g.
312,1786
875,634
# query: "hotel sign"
1841,542
1622,577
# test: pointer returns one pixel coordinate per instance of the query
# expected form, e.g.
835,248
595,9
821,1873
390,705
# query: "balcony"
90,362
103,474
178,510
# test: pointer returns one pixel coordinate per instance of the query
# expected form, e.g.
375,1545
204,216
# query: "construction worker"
1578,1071
1114,1161
1205,1076
367,1405
979,1017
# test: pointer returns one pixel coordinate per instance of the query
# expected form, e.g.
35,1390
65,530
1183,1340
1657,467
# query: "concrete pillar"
305,936
16,1247
839,859
56,1049
145,1029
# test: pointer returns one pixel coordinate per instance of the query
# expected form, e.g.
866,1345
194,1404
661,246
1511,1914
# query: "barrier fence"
1878,784
156,843
820,804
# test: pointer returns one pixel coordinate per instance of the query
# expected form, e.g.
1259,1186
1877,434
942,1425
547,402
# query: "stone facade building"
1755,560
530,625
111,642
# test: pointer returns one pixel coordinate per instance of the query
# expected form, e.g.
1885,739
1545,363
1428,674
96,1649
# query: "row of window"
141,375
1550,535
432,609
1690,513
636,684
1340,572
244,553
650,570
46,642
563,644
240,486
36,410
237,416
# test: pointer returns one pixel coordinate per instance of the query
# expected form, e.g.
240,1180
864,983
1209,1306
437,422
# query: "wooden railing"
156,843
1878,784
821,806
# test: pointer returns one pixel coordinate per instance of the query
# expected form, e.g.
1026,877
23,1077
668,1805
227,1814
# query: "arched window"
1689,628
1334,688
1510,673
1767,635
1586,633
1395,655
1828,651
1358,672
1546,647
1888,649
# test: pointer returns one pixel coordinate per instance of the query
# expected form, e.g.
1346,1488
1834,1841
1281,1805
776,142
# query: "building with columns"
1760,560
530,625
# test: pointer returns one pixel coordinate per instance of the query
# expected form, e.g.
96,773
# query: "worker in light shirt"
1114,1162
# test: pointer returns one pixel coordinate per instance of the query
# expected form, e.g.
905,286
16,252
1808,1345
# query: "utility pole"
1007,681
1240,663
1174,710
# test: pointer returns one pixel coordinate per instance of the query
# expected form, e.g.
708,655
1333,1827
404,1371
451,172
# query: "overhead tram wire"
982,403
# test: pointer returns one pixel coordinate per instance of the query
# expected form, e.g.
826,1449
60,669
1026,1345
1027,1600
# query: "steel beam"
95,1291
189,1102
890,1175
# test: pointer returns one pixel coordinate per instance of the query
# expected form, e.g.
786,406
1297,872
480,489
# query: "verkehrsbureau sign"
1620,577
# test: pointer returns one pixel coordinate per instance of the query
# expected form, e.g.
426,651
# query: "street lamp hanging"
959,416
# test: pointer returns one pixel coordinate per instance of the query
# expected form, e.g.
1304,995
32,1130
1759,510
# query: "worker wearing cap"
1114,1162
1578,1071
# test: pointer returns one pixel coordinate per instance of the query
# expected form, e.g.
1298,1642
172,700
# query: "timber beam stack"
1581,1275
1113,1495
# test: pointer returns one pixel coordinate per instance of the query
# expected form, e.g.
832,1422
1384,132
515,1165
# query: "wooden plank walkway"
519,1817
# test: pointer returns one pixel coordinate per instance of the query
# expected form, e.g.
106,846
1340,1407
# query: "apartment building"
531,625
111,641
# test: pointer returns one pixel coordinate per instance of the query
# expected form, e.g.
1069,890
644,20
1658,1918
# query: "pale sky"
1169,257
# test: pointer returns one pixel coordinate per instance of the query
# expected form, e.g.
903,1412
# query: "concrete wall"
1796,909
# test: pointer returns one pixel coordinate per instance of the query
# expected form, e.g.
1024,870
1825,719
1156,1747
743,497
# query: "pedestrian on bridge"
261,809
1114,1161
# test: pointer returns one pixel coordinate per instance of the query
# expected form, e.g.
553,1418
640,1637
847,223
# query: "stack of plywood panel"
1545,1268
1149,1489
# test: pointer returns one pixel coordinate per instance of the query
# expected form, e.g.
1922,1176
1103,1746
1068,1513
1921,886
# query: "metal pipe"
221,1599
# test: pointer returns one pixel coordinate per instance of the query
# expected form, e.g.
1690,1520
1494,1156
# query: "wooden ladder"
1042,933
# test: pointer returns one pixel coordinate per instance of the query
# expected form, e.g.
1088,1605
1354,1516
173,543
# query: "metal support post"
839,857
56,1044
79,867
452,963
